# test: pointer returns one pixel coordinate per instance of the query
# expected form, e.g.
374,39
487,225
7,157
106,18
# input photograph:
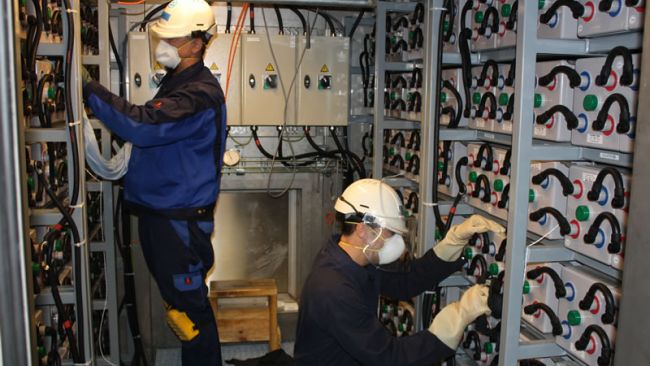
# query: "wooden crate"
247,324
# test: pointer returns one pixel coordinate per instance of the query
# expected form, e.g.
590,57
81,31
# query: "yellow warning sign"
157,66
214,67
269,67
324,69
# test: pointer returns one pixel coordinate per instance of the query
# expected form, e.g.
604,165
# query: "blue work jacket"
178,142
338,322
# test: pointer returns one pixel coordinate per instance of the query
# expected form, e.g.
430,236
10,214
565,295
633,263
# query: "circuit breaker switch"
270,81
325,82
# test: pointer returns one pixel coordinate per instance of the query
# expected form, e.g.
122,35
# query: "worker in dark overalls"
174,172
338,322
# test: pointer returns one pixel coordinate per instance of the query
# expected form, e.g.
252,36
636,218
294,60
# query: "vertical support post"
427,227
380,62
80,214
16,330
631,326
519,181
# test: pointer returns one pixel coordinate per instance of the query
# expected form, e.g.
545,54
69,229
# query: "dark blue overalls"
338,322
172,185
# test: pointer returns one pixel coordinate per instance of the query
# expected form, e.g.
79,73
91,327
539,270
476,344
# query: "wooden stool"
247,324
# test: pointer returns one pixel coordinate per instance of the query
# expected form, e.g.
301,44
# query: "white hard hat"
373,201
181,18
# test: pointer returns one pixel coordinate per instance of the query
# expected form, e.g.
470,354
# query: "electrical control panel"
452,100
607,17
588,315
216,59
323,81
597,212
553,103
606,101
452,166
144,81
263,93
547,199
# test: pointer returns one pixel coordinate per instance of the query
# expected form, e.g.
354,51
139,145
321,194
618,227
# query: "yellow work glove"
452,320
450,248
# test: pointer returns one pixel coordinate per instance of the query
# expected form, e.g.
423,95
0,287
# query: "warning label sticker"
324,69
214,67
269,67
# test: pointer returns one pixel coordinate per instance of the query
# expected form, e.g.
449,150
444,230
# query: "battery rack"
573,71
70,253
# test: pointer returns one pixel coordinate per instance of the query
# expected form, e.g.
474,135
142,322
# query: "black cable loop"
569,116
487,193
565,182
610,305
492,114
486,149
512,19
571,74
619,190
606,348
614,245
560,290
565,227
623,125
478,260
490,13
628,67
577,10
555,321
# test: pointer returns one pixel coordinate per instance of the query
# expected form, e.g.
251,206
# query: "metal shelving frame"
48,217
524,150
106,244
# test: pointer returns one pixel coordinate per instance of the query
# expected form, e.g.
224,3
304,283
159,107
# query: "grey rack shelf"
524,150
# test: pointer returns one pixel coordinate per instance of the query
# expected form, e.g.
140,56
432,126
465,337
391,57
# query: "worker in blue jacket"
338,322
173,175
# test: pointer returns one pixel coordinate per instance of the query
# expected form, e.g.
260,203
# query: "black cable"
327,18
279,16
70,118
149,16
436,123
352,157
118,60
77,353
228,16
301,17
355,25
35,42
122,219
251,17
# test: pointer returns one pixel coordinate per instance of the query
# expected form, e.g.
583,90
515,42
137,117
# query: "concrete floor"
172,356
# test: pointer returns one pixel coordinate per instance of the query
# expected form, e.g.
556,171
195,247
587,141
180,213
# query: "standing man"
338,322
174,172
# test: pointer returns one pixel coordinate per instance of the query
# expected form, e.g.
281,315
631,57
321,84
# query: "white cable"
527,256
239,143
286,107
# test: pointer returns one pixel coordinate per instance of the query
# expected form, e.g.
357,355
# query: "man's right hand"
451,321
